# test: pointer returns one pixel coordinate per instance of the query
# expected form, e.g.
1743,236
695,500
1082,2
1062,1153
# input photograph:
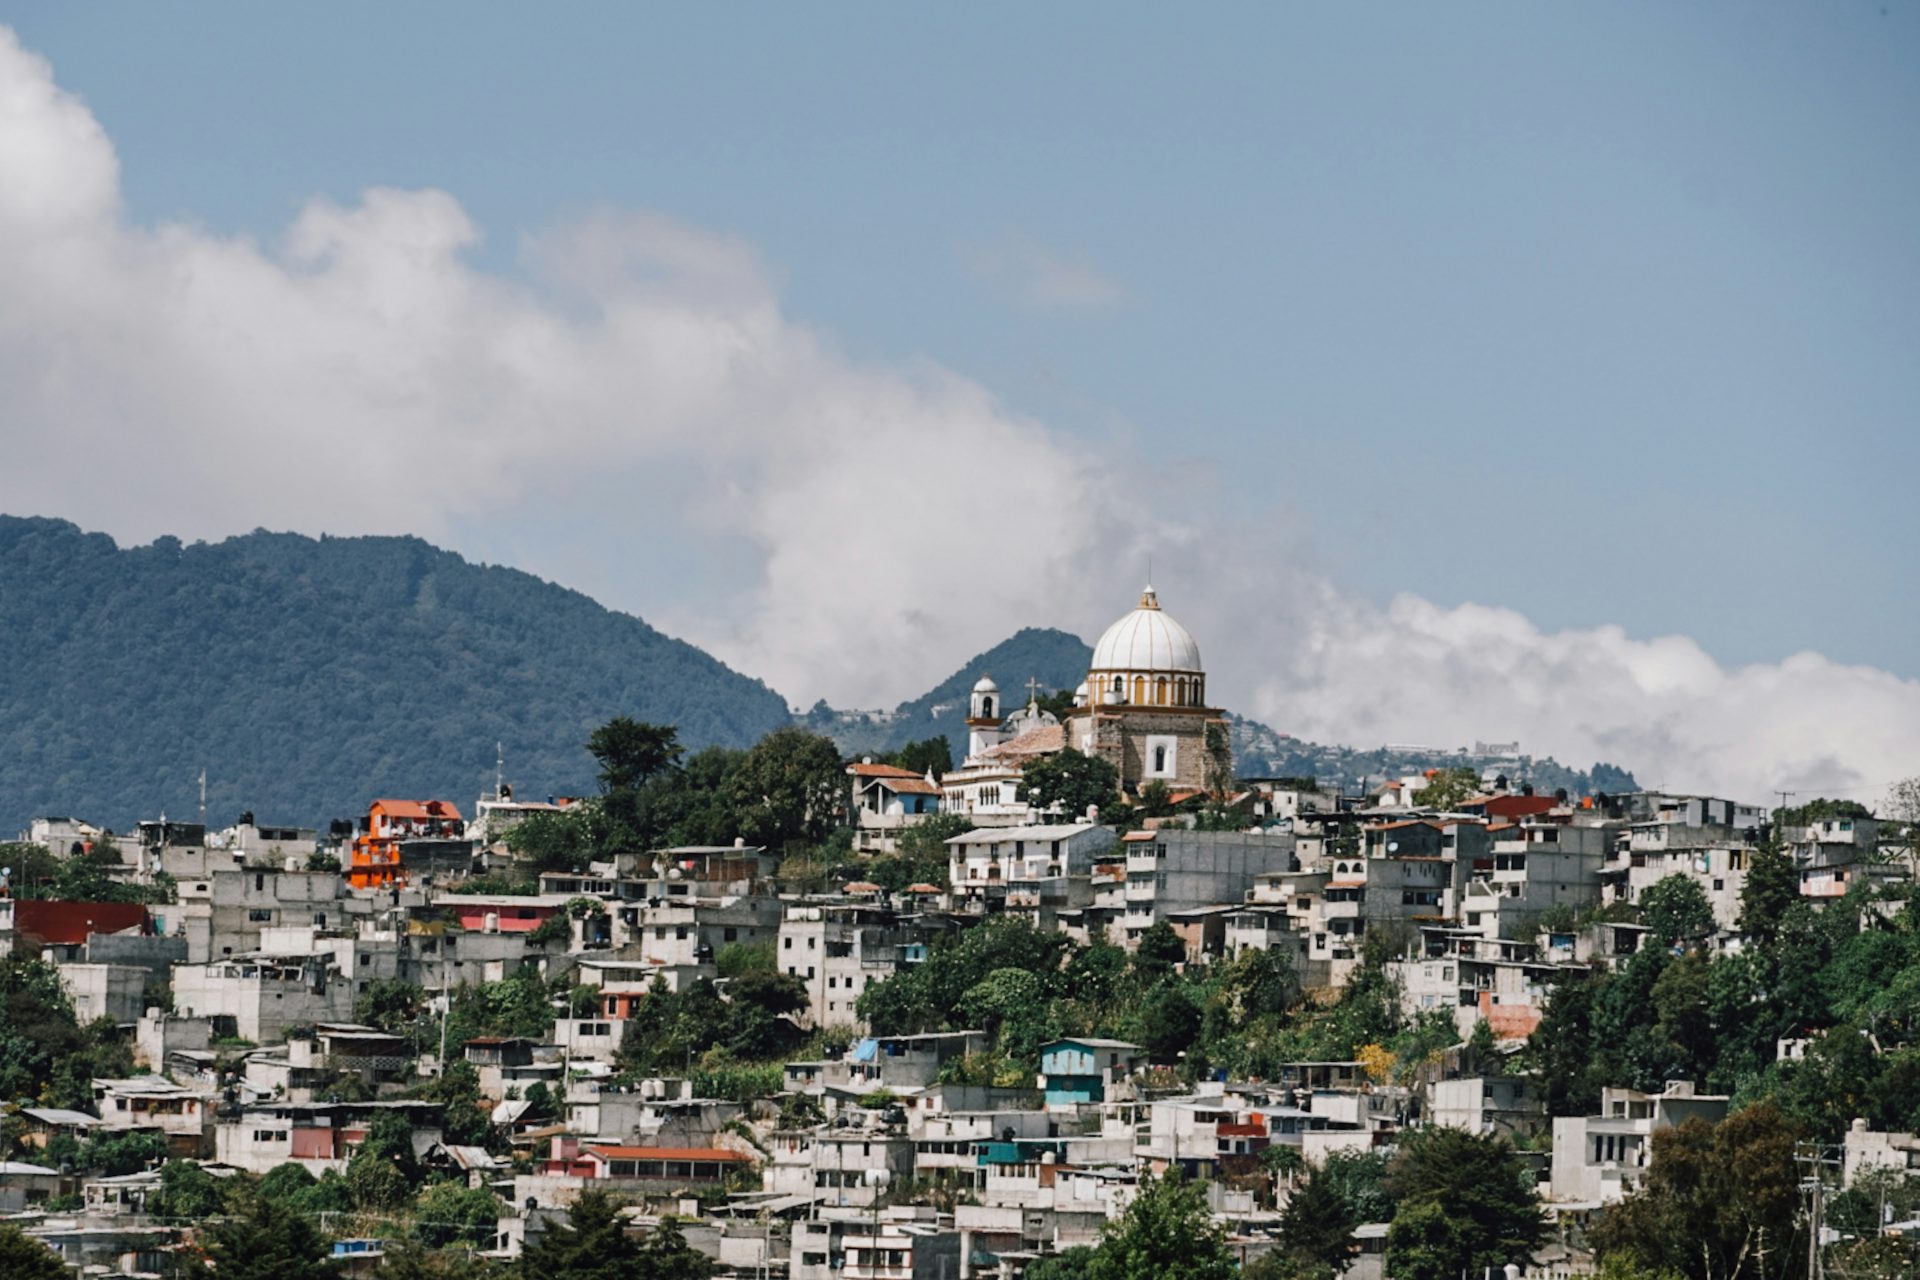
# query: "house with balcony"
183,1115
1601,1159
315,1135
1082,1070
885,800
264,996
399,838
1173,870
982,864
898,1243
838,950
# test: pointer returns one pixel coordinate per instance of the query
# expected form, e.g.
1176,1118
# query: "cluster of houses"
873,1162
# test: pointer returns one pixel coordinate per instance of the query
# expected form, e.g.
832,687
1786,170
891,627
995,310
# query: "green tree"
1169,1021
24,1258
1166,1233
738,958
384,1169
920,853
1713,1198
1425,1242
449,1213
1064,785
114,1154
1069,1264
1158,952
1361,1179
1676,909
1011,1006
932,755
389,1004
1316,1227
787,789
187,1191
1448,787
1771,891
630,752
592,1246
565,840
406,1259
1482,1191
265,1240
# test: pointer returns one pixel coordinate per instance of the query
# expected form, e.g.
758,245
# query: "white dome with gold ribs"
1147,658
1147,640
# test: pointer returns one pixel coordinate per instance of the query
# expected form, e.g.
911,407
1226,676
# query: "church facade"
1143,708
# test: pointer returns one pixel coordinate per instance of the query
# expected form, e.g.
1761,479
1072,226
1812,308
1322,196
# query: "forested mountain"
307,676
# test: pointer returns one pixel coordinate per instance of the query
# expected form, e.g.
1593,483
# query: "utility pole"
1817,1158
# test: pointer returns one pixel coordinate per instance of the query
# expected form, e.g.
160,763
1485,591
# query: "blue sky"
1605,315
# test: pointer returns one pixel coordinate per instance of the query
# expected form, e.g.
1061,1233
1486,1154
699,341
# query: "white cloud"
1033,276
875,525
1418,672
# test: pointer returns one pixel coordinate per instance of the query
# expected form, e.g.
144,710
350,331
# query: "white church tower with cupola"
984,718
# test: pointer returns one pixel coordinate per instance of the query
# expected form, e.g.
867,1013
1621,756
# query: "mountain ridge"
308,675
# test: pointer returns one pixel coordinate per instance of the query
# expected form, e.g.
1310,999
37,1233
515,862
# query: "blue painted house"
1082,1069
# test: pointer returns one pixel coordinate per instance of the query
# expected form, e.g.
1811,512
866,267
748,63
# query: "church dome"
1147,640
985,684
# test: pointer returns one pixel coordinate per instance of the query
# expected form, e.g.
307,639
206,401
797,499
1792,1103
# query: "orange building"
376,861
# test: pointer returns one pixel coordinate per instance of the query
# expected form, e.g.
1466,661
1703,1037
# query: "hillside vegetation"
309,675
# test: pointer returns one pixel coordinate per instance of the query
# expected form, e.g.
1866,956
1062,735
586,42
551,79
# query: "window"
786,944
260,915
1159,759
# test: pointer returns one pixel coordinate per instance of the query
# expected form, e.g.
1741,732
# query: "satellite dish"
1393,846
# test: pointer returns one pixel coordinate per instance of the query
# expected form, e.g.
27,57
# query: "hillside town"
996,1009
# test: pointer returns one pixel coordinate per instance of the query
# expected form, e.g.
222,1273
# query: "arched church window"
1160,692
1159,759
1119,687
986,708
1140,689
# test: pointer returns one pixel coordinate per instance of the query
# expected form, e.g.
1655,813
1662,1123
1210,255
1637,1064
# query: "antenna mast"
499,768
203,796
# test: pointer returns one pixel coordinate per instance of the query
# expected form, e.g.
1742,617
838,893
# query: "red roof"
70,923
665,1153
864,770
418,808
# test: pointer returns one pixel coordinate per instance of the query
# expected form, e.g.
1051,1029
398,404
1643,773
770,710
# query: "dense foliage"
1166,1233
310,675
1845,977
785,792
592,1245
45,1052
1247,1014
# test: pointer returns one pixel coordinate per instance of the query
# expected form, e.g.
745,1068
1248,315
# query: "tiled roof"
429,809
